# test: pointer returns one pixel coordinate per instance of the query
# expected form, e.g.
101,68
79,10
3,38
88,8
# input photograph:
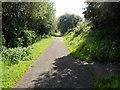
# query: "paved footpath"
56,68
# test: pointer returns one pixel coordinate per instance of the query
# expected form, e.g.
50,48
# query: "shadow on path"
66,73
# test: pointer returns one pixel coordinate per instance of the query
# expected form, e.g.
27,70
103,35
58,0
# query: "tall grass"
90,45
11,74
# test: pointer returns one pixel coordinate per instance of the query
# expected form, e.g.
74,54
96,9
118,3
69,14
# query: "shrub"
92,45
21,36
14,55
29,37
45,36
41,37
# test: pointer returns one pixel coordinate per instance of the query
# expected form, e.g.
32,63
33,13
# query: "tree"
104,16
22,18
43,16
67,21
14,19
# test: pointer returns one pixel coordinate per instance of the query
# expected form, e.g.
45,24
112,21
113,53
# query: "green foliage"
112,81
3,40
43,16
90,45
14,55
29,37
11,74
101,42
68,21
22,21
21,37
104,16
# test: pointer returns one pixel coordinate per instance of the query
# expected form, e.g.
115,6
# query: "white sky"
69,6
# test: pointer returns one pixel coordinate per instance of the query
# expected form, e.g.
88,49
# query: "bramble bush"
14,55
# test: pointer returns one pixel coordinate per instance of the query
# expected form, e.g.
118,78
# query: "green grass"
11,74
91,45
57,33
108,82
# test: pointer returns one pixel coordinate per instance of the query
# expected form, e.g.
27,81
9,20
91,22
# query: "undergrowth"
91,45
11,73
95,45
12,56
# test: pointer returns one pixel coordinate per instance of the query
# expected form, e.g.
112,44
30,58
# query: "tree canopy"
67,21
104,15
22,19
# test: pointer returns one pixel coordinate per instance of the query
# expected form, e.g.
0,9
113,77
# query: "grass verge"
108,82
90,45
11,74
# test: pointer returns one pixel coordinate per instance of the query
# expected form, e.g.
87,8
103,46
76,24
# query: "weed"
11,74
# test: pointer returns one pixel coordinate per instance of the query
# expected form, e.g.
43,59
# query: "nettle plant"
14,55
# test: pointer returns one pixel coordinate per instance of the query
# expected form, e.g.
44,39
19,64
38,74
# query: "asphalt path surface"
56,68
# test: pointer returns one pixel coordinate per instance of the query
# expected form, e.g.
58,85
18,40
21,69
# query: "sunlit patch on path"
56,68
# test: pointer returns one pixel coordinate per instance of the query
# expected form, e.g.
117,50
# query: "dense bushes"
14,55
90,45
24,22
101,42
17,60
28,37
104,16
22,37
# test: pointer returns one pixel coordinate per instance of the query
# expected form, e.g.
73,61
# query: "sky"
69,6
